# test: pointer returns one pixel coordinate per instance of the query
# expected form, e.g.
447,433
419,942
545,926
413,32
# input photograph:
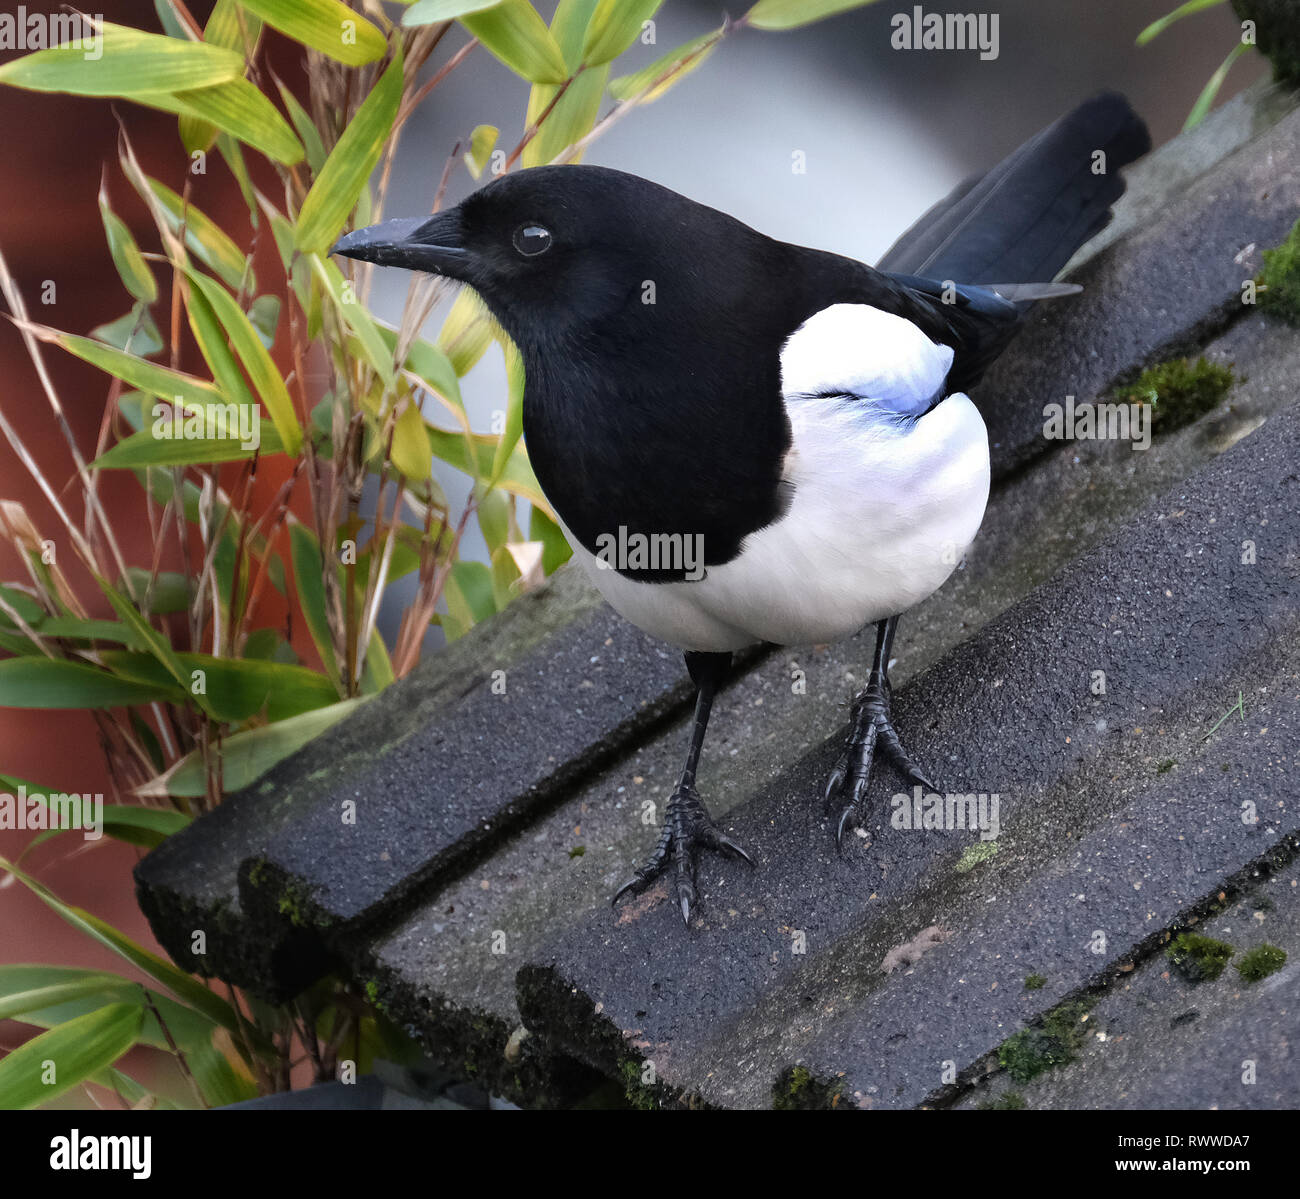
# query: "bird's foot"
687,828
872,726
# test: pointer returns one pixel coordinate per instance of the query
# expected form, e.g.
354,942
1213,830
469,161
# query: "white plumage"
884,502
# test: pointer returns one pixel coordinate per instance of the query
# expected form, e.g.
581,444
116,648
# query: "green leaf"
246,756
1156,28
614,26
262,371
513,32
148,376
1206,99
514,413
346,172
155,643
481,144
187,989
556,551
792,14
77,1049
91,983
133,333
169,593
206,240
469,593
190,1029
429,12
664,72
75,629
143,449
325,25
57,683
410,449
306,129
133,64
235,688
376,351
264,313
466,332
309,576
239,109
130,263
575,112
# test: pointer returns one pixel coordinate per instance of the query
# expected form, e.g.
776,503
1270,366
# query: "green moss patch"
1279,281
1033,1051
1199,958
1179,391
1035,982
799,1090
1011,1101
1260,962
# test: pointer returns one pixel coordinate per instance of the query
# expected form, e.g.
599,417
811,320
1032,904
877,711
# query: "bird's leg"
687,824
872,726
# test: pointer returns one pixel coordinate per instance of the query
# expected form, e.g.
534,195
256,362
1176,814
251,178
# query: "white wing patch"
862,351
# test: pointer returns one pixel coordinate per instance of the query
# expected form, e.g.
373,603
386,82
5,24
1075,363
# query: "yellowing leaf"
324,25
515,34
338,186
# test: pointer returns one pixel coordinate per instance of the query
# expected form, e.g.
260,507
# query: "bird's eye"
531,240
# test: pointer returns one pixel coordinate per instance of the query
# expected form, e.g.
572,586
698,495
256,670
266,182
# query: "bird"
748,441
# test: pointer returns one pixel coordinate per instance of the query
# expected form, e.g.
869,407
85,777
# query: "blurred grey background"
884,133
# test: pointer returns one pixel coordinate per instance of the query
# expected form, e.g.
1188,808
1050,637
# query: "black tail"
1024,219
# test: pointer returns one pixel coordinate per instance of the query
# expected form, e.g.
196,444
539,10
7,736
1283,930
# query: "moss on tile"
1279,281
1260,962
1033,1051
1179,390
1198,958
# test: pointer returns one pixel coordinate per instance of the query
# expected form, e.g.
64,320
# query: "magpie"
800,418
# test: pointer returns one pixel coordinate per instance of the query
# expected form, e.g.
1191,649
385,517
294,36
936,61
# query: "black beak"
432,245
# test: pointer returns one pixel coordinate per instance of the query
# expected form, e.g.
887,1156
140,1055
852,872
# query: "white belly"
883,510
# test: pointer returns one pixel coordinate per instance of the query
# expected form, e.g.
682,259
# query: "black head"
560,248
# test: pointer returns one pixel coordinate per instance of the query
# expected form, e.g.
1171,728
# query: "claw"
839,831
872,730
687,828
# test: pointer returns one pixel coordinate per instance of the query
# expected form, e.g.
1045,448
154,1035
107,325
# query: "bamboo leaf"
132,64
149,377
143,449
430,12
262,371
238,108
1156,28
514,426
130,263
410,449
614,27
481,144
346,172
76,1050
792,14
671,69
183,986
207,241
325,25
1205,100
575,112
247,756
58,683
309,575
513,32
